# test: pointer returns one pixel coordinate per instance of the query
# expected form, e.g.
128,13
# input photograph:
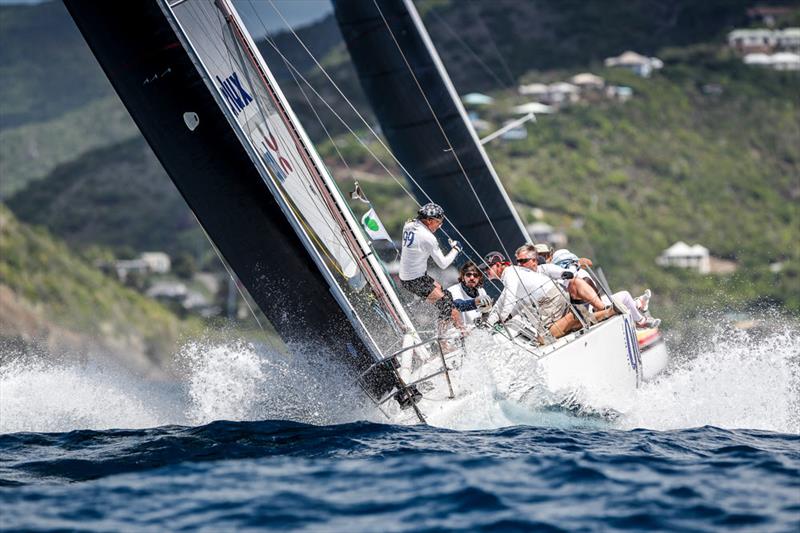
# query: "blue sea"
245,440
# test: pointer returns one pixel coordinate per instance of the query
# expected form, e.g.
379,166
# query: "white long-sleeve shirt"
521,286
418,245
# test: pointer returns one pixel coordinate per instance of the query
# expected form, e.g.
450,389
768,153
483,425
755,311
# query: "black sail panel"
158,83
399,72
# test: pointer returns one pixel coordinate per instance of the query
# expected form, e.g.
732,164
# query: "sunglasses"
523,260
472,274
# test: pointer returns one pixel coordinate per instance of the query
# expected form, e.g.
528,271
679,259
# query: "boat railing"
436,347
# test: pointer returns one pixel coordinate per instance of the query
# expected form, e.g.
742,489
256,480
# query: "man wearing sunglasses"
525,287
469,289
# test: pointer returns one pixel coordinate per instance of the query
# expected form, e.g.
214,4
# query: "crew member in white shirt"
469,290
420,244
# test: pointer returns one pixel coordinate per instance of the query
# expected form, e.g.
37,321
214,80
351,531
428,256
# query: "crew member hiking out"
419,244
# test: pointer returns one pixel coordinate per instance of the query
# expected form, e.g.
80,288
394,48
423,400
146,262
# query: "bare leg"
564,325
580,290
437,294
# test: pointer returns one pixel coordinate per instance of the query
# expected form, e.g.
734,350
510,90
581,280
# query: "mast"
425,123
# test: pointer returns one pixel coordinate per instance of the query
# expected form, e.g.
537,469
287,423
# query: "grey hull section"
157,81
409,125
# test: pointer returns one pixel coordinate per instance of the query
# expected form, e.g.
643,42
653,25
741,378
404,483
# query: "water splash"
738,380
56,396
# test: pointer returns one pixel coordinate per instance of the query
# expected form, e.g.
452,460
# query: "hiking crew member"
419,244
470,289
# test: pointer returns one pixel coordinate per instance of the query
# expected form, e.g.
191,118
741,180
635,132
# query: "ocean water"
248,439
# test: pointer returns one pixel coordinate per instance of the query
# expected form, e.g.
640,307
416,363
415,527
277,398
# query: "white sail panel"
237,82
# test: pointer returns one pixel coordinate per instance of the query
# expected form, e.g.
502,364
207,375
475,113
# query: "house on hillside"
562,93
750,41
682,255
788,40
544,233
638,64
534,90
588,82
779,61
533,107
157,262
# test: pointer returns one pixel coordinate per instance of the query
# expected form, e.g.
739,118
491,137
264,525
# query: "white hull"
599,368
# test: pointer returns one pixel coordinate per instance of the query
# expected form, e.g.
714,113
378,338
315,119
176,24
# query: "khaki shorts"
553,306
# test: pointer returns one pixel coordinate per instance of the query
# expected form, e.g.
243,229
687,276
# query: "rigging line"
324,128
339,240
469,49
492,41
447,139
375,157
441,128
368,269
363,120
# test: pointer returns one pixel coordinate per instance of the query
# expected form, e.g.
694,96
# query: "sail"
246,175
426,125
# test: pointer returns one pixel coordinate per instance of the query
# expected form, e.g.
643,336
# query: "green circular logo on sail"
372,224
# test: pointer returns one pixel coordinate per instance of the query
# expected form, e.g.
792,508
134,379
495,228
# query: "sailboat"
192,78
427,127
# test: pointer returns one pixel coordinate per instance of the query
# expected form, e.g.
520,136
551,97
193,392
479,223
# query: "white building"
779,61
536,90
640,65
533,107
157,262
752,40
788,39
586,81
682,255
544,233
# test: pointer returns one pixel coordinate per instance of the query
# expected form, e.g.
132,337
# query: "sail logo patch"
236,95
279,164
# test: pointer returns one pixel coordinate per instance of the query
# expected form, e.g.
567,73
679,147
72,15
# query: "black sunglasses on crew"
523,260
472,274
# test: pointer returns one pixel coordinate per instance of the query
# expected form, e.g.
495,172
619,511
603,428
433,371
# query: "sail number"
408,238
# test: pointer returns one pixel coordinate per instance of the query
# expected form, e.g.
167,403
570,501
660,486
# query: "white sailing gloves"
484,303
455,245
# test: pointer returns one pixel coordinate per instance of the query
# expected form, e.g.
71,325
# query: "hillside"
45,65
50,296
30,152
118,197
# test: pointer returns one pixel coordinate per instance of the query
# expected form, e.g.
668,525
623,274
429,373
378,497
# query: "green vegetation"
46,66
117,197
675,163
78,296
30,152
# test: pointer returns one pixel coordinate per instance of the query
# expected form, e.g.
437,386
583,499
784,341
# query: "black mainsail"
423,119
199,92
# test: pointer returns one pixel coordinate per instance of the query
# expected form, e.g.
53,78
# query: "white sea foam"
62,396
740,382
